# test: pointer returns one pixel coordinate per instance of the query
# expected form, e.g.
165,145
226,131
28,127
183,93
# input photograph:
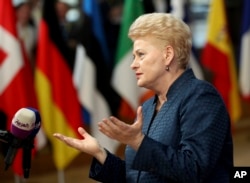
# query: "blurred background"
70,60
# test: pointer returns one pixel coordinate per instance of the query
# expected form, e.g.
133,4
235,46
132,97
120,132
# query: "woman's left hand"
125,133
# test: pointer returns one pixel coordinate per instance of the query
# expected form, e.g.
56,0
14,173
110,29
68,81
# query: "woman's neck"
161,100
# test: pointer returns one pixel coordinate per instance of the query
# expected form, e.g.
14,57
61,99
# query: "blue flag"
91,8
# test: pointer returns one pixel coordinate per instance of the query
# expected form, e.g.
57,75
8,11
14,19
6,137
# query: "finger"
63,138
82,132
108,128
118,124
139,113
108,125
59,136
105,132
139,116
71,142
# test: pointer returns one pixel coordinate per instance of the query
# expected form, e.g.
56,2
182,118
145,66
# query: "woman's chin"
140,84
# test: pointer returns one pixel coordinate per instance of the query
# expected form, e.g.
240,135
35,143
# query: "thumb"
139,115
82,132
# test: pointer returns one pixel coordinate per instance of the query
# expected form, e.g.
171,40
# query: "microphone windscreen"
37,122
23,123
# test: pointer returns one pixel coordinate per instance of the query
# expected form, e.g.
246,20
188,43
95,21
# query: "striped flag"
218,57
97,107
244,67
92,77
123,79
16,83
57,96
92,10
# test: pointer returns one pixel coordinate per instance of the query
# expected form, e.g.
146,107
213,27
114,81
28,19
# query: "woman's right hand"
88,144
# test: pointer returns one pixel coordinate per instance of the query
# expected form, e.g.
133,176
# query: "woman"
182,134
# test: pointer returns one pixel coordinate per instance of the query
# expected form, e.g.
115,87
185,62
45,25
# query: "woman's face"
149,63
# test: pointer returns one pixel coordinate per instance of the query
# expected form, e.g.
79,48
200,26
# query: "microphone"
29,144
24,127
23,123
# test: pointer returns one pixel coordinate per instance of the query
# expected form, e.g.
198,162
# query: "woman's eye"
141,54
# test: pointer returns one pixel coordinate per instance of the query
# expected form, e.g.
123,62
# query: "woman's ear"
169,55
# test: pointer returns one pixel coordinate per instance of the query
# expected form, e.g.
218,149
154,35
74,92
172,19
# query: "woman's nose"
134,64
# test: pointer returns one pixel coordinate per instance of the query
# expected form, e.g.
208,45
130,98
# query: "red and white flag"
16,83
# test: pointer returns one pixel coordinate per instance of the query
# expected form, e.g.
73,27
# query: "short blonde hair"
171,30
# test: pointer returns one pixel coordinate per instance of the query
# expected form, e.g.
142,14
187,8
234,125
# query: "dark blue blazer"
188,140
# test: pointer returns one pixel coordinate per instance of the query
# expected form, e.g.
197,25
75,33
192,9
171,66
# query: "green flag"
124,80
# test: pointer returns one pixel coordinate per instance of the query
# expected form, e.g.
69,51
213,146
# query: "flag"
92,79
92,10
16,84
95,105
218,57
57,96
244,67
123,78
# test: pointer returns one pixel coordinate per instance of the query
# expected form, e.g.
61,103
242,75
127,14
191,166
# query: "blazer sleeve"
112,171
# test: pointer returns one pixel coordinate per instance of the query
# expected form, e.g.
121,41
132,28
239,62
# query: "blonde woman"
182,134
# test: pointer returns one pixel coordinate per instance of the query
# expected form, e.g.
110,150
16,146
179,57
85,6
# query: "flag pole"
19,179
16,178
60,176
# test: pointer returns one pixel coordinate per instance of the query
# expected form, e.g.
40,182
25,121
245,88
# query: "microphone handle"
11,153
14,144
27,154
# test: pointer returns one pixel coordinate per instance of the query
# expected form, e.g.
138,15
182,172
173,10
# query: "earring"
167,68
